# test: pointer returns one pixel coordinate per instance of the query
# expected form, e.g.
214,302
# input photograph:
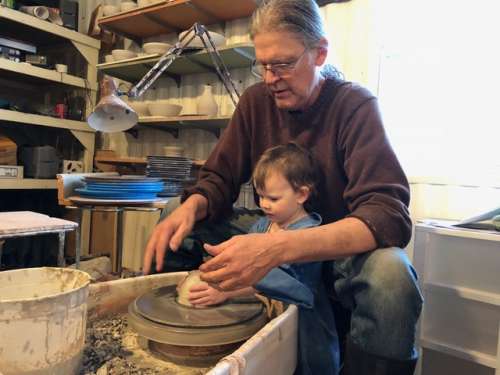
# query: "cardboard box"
8,151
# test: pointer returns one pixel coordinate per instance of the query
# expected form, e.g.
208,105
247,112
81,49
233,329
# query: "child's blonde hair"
292,161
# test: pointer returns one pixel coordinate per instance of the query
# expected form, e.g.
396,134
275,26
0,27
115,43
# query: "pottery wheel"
157,316
160,306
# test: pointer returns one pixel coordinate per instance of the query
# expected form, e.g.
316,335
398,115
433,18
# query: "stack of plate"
174,170
121,187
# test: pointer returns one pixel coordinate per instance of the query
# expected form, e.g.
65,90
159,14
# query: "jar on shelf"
206,102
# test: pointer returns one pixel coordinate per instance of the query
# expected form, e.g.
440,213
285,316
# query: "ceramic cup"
61,68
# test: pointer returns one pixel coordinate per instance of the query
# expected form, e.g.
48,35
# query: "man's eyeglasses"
279,69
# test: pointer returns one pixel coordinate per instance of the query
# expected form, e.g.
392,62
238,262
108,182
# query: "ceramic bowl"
173,151
155,47
127,5
218,39
122,54
109,10
61,68
163,108
141,108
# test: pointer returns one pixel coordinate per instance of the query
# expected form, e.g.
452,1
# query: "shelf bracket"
134,132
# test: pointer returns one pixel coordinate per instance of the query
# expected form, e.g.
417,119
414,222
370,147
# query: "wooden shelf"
120,160
52,122
19,25
132,70
134,160
212,124
27,183
32,74
175,15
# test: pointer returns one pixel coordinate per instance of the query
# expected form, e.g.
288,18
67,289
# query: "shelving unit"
132,70
177,15
49,36
459,329
35,75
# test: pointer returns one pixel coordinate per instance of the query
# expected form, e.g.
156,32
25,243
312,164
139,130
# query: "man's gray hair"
301,17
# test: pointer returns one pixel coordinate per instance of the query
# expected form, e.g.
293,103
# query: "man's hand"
240,262
169,233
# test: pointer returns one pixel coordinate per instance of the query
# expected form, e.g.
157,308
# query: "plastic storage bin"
468,262
460,322
40,162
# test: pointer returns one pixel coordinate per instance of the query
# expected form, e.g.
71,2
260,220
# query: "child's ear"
303,194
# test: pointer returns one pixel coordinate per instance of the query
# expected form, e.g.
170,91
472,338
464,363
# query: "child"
284,179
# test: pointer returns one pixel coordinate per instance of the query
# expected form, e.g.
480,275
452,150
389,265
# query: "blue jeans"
379,287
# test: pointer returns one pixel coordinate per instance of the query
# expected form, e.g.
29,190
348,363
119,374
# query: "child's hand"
203,294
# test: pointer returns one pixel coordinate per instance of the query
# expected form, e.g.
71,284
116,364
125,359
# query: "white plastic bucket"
43,316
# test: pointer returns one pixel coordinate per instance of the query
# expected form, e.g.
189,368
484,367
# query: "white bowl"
218,39
173,151
143,3
155,47
127,5
141,108
61,68
109,10
122,54
109,58
163,108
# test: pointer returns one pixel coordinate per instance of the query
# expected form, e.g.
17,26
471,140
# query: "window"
439,87
434,66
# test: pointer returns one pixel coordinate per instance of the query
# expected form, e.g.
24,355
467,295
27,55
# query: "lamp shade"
111,113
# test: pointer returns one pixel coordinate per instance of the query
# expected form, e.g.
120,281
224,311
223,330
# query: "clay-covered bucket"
43,316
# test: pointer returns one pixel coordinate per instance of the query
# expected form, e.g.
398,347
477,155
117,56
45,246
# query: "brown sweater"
361,176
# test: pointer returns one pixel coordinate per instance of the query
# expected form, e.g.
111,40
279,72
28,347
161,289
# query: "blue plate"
142,188
113,194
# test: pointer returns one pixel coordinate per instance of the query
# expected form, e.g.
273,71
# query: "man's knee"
392,279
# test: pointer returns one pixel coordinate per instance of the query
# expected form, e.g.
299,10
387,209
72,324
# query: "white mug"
61,68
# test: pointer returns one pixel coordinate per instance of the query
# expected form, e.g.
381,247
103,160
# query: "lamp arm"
156,71
220,67
174,52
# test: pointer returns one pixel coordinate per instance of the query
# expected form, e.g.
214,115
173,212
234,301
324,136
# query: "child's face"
280,202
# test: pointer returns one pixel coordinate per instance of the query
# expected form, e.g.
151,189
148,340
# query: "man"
364,194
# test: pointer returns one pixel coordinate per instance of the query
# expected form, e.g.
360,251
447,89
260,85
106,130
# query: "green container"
8,3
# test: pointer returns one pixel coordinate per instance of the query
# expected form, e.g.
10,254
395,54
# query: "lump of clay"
183,287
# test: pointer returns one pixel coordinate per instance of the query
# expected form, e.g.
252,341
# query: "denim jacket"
301,284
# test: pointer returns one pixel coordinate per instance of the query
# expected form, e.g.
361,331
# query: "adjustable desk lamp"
112,114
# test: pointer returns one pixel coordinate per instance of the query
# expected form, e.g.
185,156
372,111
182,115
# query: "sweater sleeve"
377,191
227,167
